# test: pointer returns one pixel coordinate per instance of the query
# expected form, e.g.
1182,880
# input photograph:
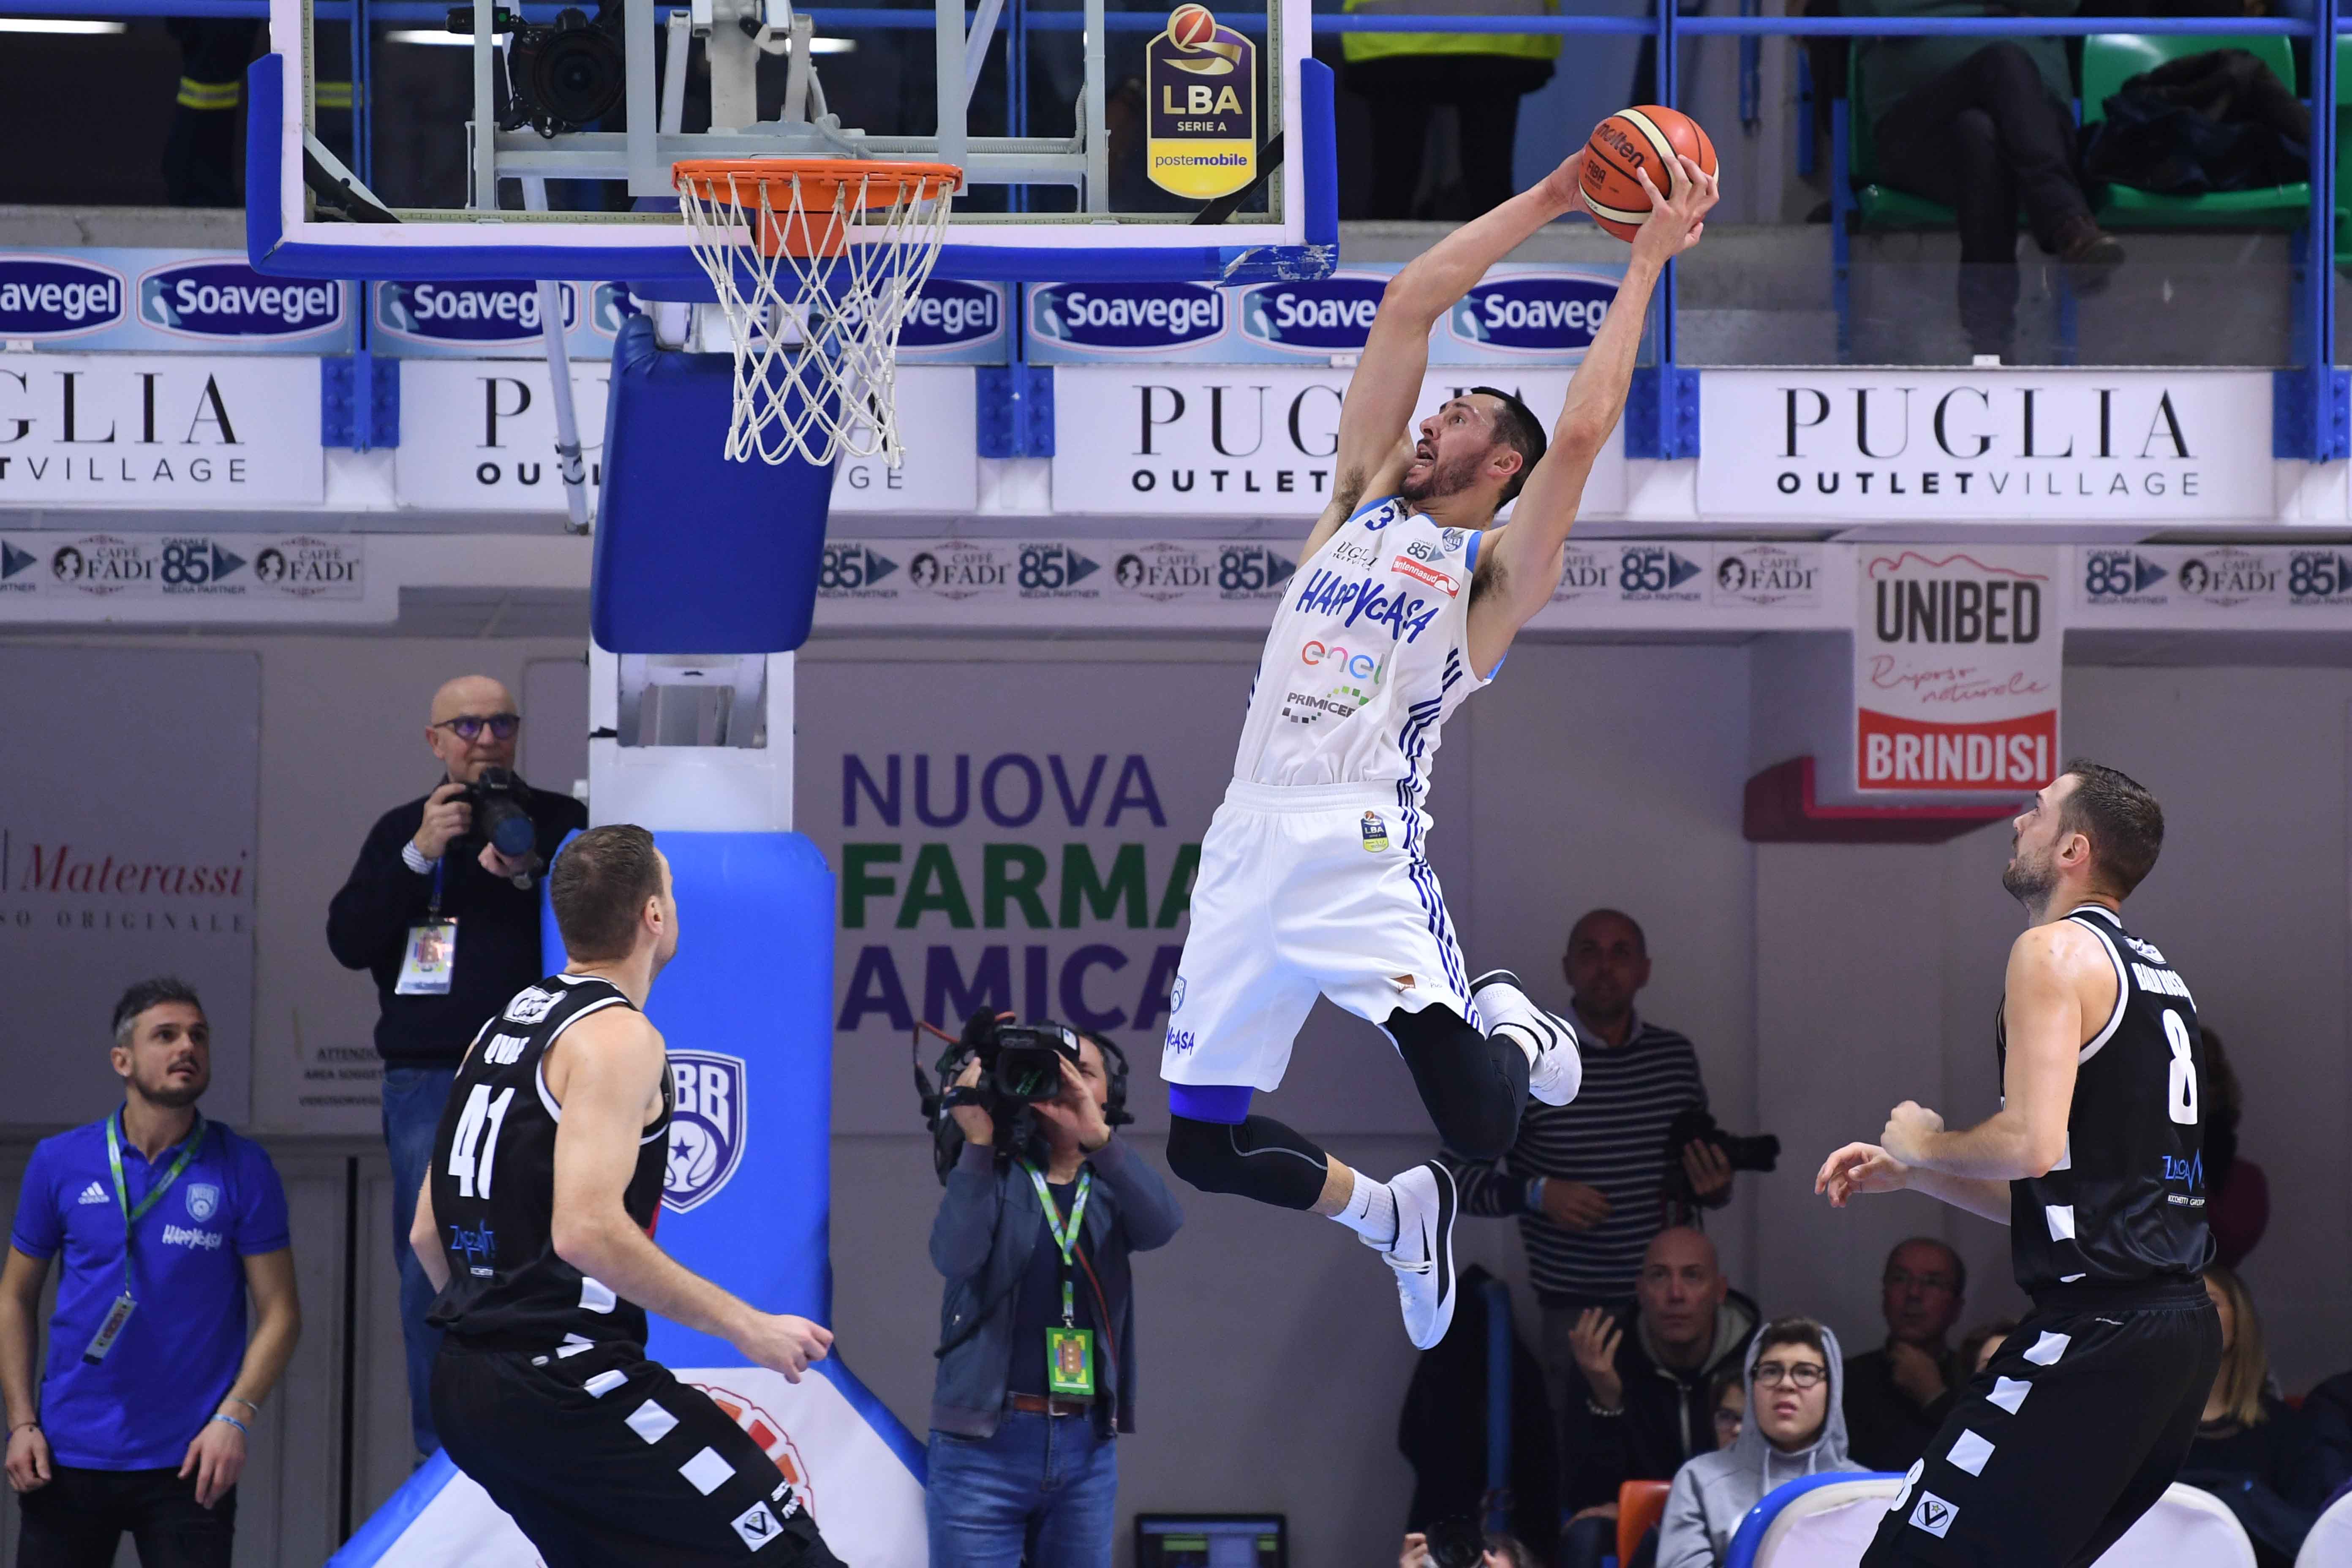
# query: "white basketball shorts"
1305,890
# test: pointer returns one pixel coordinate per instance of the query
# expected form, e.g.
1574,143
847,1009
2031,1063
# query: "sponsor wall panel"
479,436
157,431
1254,441
1898,445
162,578
113,868
1522,313
1957,666
2268,587
165,302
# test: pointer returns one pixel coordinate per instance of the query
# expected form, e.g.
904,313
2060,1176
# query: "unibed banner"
479,436
152,431
127,851
1254,441
1992,445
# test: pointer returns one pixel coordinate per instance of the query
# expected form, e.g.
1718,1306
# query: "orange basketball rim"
803,206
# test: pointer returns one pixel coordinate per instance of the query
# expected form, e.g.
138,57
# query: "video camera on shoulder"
1697,1125
1021,1067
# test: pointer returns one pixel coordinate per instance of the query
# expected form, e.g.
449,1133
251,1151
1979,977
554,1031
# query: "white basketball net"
816,337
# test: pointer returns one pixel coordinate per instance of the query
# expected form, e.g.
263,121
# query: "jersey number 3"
478,1127
2180,1098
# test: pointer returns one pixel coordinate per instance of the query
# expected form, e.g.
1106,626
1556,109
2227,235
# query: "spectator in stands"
1730,1398
139,1420
1797,1428
2238,1205
1983,1342
1897,1398
2323,1463
1985,126
1639,1402
2249,1444
449,927
1407,76
1496,1552
1588,1180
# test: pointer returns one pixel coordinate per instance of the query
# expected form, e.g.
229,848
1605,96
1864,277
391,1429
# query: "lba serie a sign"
1956,669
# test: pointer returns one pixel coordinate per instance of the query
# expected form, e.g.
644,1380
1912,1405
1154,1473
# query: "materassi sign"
1956,669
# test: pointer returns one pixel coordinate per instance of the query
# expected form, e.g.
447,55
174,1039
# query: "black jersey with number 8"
2125,1205
493,1185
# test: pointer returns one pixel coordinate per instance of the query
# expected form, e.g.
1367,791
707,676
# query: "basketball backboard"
1096,143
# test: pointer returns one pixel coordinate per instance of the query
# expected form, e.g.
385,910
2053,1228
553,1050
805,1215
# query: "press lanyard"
1065,1236
119,1313
433,911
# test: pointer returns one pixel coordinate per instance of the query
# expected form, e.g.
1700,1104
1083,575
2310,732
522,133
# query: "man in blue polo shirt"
151,1384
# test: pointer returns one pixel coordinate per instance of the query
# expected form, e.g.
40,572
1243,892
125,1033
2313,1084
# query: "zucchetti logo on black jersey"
1127,318
1333,315
55,296
1533,312
221,298
486,311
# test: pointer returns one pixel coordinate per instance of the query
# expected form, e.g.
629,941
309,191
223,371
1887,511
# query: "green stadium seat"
2111,58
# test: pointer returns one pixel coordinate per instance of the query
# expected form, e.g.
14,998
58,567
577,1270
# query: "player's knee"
1481,1128
1256,1158
1196,1150
1473,1104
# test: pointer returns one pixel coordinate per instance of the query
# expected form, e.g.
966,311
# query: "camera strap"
1069,1350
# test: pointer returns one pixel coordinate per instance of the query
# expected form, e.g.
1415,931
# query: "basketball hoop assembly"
816,262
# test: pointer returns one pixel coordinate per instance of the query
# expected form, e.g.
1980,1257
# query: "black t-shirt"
2124,1206
493,1184
1038,1307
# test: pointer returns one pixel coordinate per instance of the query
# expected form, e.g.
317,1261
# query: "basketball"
1644,138
1192,25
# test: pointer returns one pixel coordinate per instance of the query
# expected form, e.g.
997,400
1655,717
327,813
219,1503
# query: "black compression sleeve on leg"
1472,1084
1258,1158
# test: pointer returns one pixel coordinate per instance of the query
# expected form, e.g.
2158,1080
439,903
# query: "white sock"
1371,1213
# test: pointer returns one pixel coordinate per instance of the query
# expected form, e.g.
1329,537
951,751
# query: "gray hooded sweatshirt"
1714,1492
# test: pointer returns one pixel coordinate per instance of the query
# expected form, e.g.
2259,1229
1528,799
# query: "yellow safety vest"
1358,47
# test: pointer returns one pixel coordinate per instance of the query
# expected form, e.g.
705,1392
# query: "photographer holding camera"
443,908
1037,1359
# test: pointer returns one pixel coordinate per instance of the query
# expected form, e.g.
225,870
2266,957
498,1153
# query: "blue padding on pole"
1741,1553
1498,1404
1319,124
696,553
385,1527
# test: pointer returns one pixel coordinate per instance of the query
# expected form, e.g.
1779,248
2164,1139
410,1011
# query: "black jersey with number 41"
2125,1205
493,1184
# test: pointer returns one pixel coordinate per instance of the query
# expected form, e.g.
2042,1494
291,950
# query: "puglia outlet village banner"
1957,660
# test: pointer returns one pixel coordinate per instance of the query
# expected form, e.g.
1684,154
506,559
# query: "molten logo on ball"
706,1127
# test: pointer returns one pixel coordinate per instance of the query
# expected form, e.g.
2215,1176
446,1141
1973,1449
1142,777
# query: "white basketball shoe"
1422,1255
1557,1068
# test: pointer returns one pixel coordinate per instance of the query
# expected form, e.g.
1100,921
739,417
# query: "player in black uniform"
535,1222
2081,1422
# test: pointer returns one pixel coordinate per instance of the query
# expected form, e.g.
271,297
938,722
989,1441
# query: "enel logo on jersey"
1355,666
1333,315
706,1127
223,299
51,297
1533,313
1127,318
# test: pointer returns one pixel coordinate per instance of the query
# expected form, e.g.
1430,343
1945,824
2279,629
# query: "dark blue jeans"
413,1098
1046,1483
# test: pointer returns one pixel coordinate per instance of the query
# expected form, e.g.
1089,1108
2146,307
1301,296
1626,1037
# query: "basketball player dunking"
2081,1422
1313,877
535,1223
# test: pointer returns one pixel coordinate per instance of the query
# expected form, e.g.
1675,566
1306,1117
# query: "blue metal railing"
2313,410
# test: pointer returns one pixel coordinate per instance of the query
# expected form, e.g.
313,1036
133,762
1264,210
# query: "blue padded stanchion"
693,552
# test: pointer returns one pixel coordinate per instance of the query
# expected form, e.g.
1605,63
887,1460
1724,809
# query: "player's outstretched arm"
1860,1168
1519,565
1375,416
610,1082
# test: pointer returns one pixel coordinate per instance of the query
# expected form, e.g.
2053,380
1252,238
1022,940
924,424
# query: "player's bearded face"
1441,467
2030,872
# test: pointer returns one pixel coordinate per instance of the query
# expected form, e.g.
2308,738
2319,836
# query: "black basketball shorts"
2074,1431
603,1457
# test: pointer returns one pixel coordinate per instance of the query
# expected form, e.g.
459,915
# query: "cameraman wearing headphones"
1037,1355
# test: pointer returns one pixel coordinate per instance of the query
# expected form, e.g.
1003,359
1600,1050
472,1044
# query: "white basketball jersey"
1367,657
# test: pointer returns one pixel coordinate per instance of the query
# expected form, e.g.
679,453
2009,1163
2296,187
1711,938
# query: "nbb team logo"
1533,313
1332,316
222,299
52,297
706,1127
952,315
471,313
1127,318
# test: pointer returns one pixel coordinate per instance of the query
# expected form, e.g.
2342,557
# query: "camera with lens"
501,803
1457,1543
1020,1069
565,76
1697,1125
